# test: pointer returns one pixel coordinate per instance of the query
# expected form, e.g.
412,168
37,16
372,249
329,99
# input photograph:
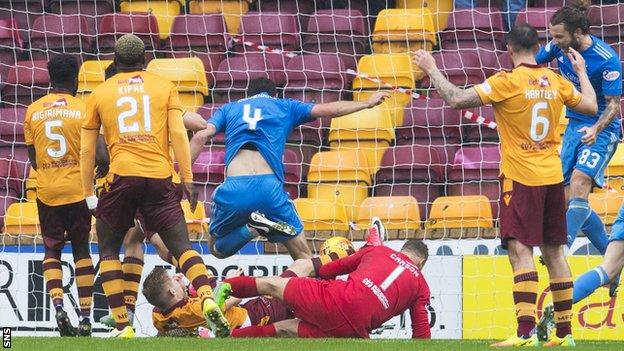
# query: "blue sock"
595,231
230,244
578,211
586,284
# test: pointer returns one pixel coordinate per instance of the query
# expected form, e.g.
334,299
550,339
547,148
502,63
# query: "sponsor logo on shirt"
610,75
62,102
132,80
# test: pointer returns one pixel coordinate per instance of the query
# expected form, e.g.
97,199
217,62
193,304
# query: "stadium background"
427,171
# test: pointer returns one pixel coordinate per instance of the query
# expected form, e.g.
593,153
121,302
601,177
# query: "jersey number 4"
251,121
54,136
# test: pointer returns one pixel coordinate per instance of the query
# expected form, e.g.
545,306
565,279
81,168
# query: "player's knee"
580,184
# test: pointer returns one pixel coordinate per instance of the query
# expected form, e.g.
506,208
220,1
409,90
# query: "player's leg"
245,286
162,250
132,267
286,328
78,229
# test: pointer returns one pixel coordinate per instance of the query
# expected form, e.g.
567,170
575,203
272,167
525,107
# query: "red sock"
243,287
288,274
254,332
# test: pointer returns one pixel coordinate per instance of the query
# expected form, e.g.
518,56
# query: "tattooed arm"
454,96
611,111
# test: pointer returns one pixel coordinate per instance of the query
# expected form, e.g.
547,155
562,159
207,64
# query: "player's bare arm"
588,104
88,141
200,139
182,153
193,121
611,111
32,156
453,95
102,158
341,108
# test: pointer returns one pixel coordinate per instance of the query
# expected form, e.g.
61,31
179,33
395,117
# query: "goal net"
428,171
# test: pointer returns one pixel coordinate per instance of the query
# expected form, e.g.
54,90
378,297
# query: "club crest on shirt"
610,75
62,102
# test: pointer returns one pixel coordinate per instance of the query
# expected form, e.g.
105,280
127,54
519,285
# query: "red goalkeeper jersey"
382,283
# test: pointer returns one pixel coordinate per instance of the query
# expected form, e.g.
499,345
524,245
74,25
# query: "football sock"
256,331
132,268
195,271
577,214
587,283
243,286
53,275
525,298
229,244
288,274
322,260
561,289
112,283
85,276
172,260
595,231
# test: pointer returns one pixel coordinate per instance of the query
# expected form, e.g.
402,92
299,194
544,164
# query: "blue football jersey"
263,121
603,68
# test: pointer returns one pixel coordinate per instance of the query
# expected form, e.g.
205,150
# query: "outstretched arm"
200,139
341,108
193,121
453,95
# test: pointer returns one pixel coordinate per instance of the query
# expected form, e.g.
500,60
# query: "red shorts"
179,188
157,200
311,302
73,219
533,215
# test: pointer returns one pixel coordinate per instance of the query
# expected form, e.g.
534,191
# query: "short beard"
575,44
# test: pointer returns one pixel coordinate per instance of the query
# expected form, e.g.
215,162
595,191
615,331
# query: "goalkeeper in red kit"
381,284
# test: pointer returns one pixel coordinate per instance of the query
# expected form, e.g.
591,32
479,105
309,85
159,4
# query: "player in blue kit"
252,201
589,142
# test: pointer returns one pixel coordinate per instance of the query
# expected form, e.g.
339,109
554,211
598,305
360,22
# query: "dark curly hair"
572,17
63,71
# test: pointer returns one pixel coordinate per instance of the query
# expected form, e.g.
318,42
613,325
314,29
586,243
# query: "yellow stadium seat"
395,103
616,165
606,205
30,185
22,218
396,212
195,221
322,214
188,74
165,12
472,211
440,10
91,75
370,131
403,30
342,177
395,69
232,10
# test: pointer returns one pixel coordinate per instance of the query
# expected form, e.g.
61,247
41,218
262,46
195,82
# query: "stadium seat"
474,132
615,170
26,82
188,75
538,18
7,198
92,10
316,78
196,223
606,21
23,12
12,125
396,212
337,31
440,10
425,120
461,68
302,8
448,212
115,25
411,170
292,173
403,30
606,205
209,167
310,134
164,10
10,45
91,75
476,172
232,10
30,186
276,30
340,176
202,36
10,180
370,131
480,27
18,155
235,73
321,215
53,34
22,218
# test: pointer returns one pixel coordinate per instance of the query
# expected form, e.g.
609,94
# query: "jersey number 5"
134,126
62,150
537,120
252,121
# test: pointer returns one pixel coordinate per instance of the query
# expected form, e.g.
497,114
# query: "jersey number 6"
537,120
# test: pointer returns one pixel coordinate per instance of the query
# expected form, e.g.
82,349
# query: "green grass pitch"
180,344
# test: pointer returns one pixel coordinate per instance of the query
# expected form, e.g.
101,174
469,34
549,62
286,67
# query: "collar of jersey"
263,94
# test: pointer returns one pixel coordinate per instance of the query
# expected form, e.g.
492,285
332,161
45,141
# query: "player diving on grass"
590,140
252,201
527,103
139,114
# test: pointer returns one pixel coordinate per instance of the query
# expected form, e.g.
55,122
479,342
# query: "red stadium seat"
340,31
202,36
92,10
209,167
115,25
413,170
607,21
481,27
235,73
311,134
302,8
538,18
429,119
23,12
292,173
26,82
461,69
477,132
53,34
12,125
10,45
315,78
277,30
